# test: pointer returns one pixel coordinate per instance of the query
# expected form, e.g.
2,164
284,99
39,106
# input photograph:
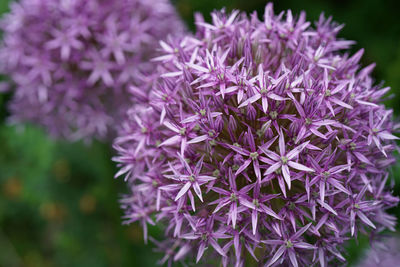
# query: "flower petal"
277,255
299,166
183,191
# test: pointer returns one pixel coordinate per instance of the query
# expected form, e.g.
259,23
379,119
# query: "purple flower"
383,252
72,63
266,140
190,180
288,245
285,159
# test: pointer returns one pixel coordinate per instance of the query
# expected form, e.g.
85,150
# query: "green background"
59,202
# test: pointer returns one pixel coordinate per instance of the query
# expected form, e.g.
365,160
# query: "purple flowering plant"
260,141
384,251
74,63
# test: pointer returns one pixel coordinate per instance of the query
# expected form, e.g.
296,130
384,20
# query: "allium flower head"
383,252
72,61
262,141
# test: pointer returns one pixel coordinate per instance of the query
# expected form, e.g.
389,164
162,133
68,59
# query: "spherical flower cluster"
72,61
261,141
383,252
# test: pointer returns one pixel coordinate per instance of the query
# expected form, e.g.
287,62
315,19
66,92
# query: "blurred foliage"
58,201
58,205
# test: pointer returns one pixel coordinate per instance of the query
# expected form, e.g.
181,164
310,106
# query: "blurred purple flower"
72,62
383,252
281,135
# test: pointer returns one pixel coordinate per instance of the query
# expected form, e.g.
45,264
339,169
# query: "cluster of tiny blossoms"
261,141
72,61
383,252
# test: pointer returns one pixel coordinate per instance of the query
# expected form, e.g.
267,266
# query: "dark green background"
58,201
